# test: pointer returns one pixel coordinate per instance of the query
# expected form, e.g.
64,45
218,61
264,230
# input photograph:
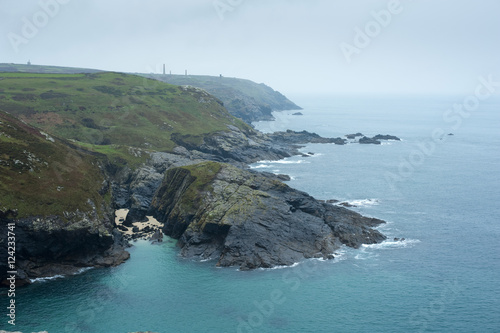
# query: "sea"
438,189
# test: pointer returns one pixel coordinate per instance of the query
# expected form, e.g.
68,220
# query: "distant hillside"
110,109
243,98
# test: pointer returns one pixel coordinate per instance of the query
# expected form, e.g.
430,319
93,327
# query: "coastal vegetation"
110,110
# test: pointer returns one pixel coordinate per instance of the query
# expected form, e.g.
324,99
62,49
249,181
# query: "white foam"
291,162
59,276
48,278
339,255
266,162
364,202
84,269
206,259
260,166
392,244
280,267
364,255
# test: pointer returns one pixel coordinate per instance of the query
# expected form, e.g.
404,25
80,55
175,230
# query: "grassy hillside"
110,111
41,175
244,99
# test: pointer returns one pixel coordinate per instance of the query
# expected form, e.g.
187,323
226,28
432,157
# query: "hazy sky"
337,46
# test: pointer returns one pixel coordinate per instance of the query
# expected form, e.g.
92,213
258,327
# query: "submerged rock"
157,237
250,220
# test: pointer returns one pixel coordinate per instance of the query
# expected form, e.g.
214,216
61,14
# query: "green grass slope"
110,111
41,175
244,99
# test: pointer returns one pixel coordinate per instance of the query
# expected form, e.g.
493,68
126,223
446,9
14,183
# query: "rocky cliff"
58,201
246,219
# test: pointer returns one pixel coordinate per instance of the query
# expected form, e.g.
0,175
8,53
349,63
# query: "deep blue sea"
440,192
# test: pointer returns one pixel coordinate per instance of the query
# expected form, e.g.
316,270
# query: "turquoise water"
443,199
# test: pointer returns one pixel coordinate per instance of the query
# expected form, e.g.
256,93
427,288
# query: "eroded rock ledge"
250,220
52,245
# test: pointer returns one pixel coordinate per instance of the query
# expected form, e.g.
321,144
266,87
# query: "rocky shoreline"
231,215
49,246
204,196
250,220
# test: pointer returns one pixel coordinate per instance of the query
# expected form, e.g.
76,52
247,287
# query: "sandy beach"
121,215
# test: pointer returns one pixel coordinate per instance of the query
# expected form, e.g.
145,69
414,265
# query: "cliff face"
250,220
58,199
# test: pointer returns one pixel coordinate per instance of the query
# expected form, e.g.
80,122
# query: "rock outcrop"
56,201
386,137
366,140
250,220
374,140
293,137
55,245
237,145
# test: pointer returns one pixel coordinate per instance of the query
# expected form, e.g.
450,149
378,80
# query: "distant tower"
29,62
163,69
186,72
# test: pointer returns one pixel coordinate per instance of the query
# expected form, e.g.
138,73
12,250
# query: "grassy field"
244,99
112,110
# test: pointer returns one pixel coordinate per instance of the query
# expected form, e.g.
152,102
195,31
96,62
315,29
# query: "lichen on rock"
250,220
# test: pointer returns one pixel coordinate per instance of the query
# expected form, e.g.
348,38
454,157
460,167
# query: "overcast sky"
334,46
